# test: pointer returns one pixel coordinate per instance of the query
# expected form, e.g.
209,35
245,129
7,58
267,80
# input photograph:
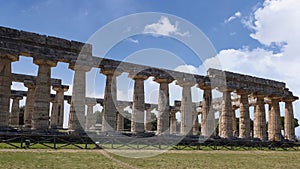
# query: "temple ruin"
47,51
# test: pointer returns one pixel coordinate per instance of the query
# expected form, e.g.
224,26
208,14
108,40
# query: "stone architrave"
138,107
274,125
40,117
186,108
289,124
57,113
15,111
225,124
244,121
5,83
29,103
109,116
259,123
77,108
163,114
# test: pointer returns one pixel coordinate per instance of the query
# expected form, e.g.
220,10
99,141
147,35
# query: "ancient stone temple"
47,51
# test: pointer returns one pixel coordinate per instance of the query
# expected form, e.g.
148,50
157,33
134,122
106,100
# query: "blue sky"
258,38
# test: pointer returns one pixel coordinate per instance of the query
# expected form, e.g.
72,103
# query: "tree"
296,124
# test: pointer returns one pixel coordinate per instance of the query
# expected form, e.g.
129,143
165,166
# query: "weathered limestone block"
40,117
244,126
29,103
259,123
225,123
15,111
5,83
163,115
57,113
138,108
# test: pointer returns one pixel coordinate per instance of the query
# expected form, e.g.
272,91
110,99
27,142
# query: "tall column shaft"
57,114
148,122
77,108
173,122
260,119
163,117
208,116
274,125
29,103
5,83
138,108
40,117
186,110
120,118
244,126
15,111
90,116
289,126
195,122
225,125
234,128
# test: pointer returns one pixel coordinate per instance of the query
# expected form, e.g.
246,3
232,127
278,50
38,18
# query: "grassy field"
12,158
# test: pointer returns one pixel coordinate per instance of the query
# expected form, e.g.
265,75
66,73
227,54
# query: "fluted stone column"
163,115
77,108
186,108
148,121
57,113
120,117
5,83
259,123
40,117
208,116
173,122
289,124
274,125
29,103
138,108
90,118
225,125
15,110
109,116
244,126
195,122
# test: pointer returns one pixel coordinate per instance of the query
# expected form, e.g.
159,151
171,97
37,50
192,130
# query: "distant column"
57,114
208,116
15,111
244,126
195,122
173,121
274,125
163,115
40,117
148,122
138,108
234,128
120,117
5,92
89,120
259,124
186,108
289,124
225,125
29,103
77,107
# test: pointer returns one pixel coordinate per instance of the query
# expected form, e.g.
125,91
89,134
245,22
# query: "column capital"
163,79
16,97
60,88
242,92
29,84
78,67
139,76
110,70
45,62
11,57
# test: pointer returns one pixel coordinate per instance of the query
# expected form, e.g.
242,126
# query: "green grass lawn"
171,159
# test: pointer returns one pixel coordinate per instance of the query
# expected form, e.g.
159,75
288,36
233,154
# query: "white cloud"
236,15
132,40
164,27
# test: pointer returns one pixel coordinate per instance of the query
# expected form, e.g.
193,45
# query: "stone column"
90,118
120,117
173,122
29,103
57,114
186,108
109,116
138,108
259,123
77,108
244,126
5,83
40,117
274,125
163,115
225,125
234,128
208,116
148,122
15,110
289,124
195,122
